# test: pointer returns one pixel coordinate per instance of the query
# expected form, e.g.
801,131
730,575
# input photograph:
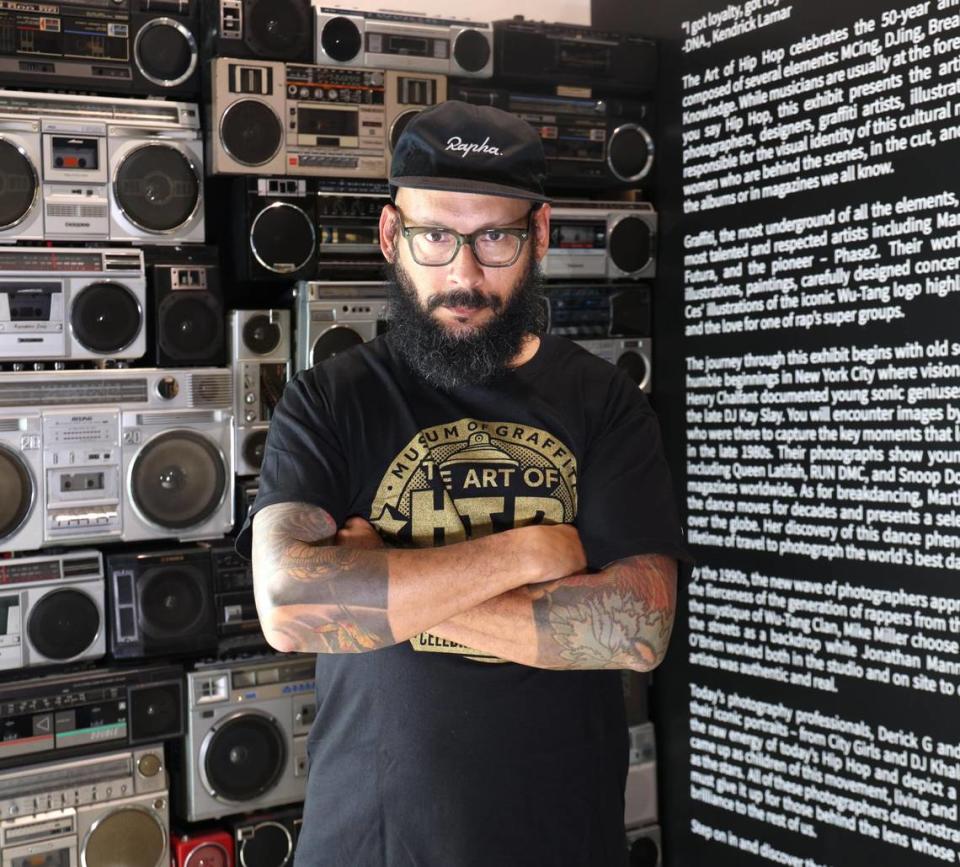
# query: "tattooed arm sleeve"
315,596
619,617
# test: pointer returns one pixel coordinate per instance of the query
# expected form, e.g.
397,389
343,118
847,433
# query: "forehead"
462,211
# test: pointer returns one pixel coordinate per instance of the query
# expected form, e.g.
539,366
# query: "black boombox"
79,713
297,228
186,325
180,601
141,47
588,310
266,29
533,52
590,144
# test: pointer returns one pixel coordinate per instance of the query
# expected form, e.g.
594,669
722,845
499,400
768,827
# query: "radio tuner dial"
376,78
332,94
168,388
149,765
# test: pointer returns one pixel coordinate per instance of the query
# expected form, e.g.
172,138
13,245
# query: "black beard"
449,360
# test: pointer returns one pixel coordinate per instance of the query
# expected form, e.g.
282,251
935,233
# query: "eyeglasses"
493,248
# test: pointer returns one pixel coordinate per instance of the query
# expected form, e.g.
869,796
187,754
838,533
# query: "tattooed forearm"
618,618
311,595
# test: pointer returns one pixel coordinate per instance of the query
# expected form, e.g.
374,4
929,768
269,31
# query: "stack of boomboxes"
190,193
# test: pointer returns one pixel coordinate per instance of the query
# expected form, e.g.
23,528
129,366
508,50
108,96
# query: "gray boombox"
602,240
334,317
93,168
59,303
115,455
260,355
246,742
109,809
406,41
273,118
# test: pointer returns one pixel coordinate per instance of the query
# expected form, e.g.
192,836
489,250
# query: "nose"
464,272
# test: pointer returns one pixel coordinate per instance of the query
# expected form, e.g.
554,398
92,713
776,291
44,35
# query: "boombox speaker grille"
166,52
63,624
157,188
471,50
253,447
128,837
155,712
189,323
18,185
251,132
17,487
105,317
282,238
245,757
281,29
333,342
630,152
172,602
629,244
270,845
260,335
635,366
178,479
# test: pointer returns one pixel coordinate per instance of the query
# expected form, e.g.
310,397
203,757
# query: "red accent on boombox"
210,849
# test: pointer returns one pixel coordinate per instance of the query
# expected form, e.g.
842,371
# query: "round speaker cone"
105,317
644,852
270,845
209,855
629,244
250,131
471,50
128,837
178,479
340,39
166,52
260,335
171,601
335,341
630,154
18,184
399,125
253,447
635,365
157,188
63,623
188,324
279,29
18,492
245,757
154,711
282,238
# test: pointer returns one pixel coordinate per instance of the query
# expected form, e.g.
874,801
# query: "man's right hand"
553,550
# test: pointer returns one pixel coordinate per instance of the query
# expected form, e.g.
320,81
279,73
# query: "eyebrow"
416,223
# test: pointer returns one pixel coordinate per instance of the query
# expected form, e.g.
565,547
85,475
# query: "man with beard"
471,523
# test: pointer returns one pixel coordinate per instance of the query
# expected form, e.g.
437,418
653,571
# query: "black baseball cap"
470,149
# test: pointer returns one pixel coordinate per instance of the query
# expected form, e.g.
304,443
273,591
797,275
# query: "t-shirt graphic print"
470,478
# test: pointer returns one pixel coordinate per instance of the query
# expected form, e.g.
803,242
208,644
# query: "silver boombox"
297,119
71,304
334,317
92,168
110,809
53,610
409,41
603,240
246,742
631,354
115,455
260,350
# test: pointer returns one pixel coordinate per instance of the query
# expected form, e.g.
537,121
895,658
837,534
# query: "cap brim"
476,188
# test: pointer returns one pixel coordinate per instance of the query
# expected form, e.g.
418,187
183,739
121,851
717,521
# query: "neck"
531,343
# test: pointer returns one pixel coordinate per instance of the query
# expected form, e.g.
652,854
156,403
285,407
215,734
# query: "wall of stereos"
189,197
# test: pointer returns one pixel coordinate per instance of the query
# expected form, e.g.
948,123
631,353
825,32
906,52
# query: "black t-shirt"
428,754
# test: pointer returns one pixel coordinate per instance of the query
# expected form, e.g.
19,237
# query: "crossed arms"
522,594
